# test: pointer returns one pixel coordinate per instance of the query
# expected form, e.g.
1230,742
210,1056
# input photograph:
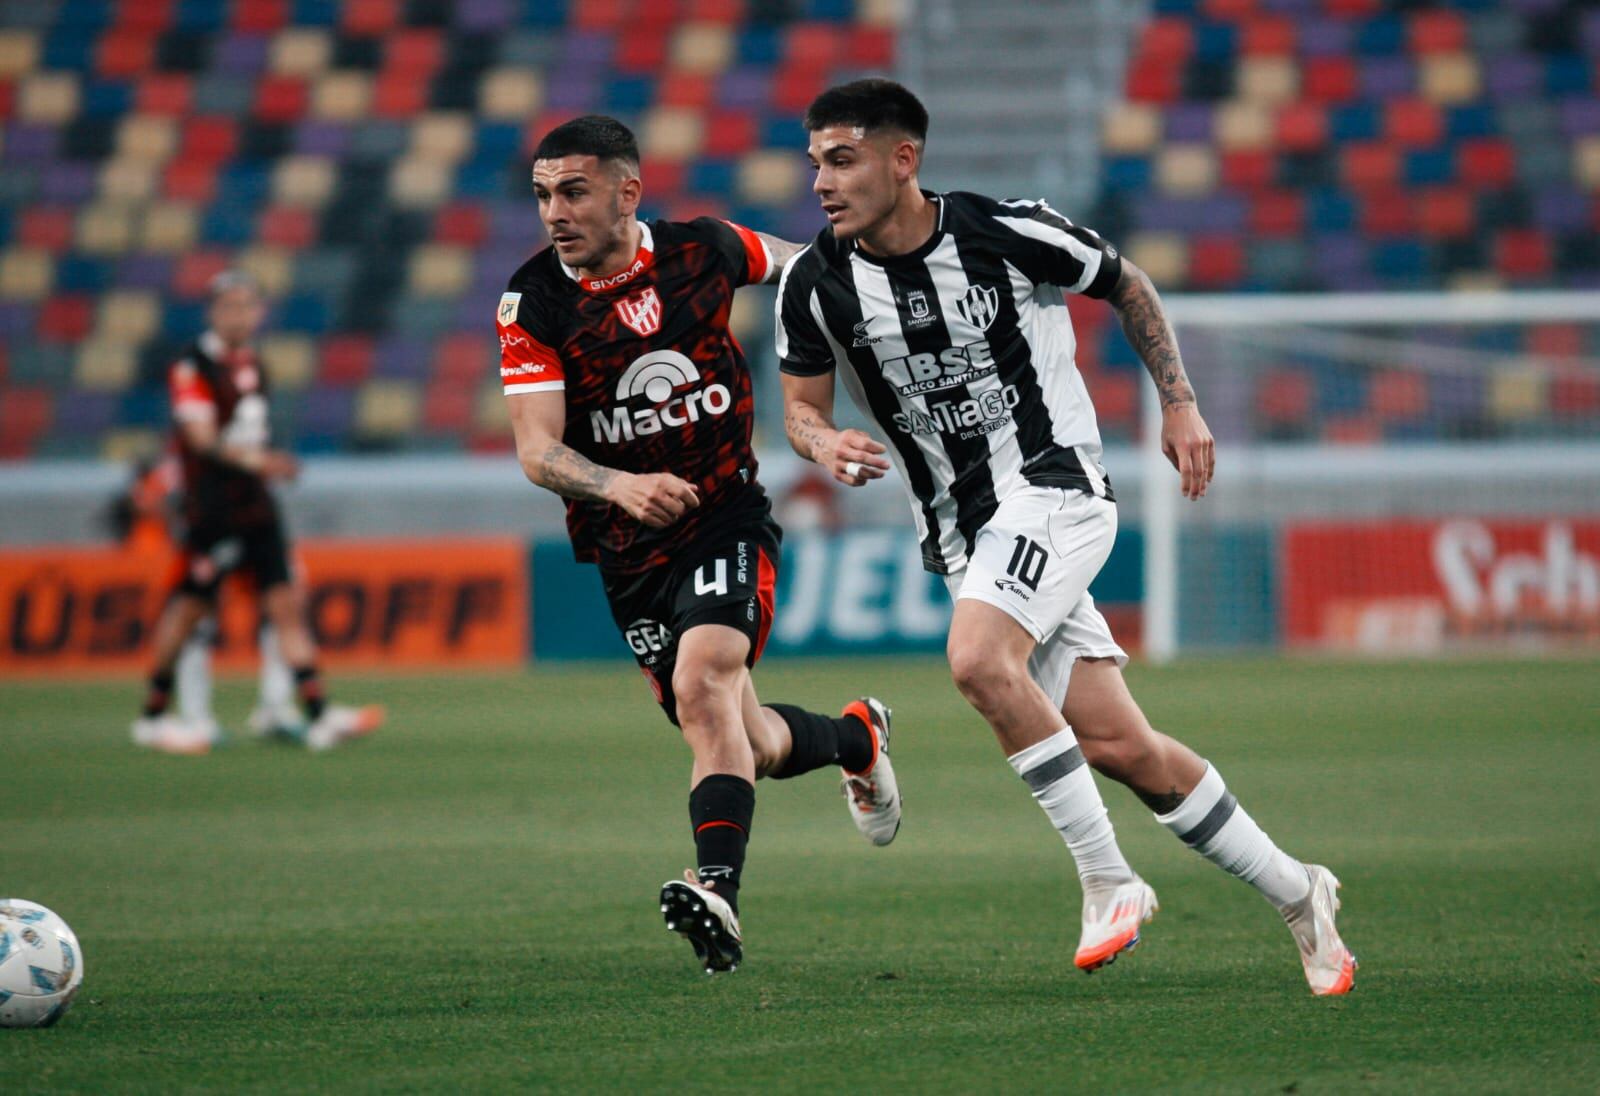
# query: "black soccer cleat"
710,924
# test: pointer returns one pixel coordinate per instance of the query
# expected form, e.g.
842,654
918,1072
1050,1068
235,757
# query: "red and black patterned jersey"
654,380
228,386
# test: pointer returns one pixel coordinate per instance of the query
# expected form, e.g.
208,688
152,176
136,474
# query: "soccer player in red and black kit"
630,398
219,410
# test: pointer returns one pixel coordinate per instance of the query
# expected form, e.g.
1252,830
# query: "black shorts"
726,576
211,554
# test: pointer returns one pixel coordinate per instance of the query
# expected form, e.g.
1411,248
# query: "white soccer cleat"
170,734
277,721
1111,920
1330,967
339,724
872,794
697,912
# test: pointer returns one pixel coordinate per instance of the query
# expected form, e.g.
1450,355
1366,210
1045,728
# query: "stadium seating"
367,161
1324,145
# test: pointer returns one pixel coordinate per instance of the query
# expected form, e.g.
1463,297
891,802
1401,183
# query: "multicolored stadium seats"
1328,145
367,160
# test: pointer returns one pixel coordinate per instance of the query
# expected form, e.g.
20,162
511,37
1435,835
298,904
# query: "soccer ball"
41,965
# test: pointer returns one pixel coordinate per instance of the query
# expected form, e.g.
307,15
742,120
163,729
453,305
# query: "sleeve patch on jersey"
510,303
524,360
758,261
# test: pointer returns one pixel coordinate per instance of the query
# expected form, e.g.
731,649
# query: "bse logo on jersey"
642,313
915,374
658,377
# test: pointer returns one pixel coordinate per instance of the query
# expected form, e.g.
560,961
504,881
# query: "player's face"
860,177
236,315
586,207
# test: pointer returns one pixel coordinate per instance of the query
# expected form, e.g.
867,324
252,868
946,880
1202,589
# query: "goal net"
1409,474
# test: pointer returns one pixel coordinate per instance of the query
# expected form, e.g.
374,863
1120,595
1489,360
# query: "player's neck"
907,228
618,258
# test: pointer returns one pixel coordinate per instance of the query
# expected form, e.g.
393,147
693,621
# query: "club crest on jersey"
979,306
921,312
641,313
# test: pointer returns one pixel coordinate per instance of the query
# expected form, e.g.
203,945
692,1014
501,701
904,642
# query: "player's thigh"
641,607
729,580
1034,559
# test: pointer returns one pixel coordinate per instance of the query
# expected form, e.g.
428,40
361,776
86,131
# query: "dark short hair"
872,104
591,135
227,281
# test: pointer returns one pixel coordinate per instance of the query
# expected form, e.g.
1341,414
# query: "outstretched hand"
1187,442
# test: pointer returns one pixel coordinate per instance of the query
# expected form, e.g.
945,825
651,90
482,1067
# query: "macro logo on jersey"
658,377
979,306
641,313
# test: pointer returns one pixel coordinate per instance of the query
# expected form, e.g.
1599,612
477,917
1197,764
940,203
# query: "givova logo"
659,377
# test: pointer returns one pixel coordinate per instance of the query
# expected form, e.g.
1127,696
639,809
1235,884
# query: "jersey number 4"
717,584
1027,563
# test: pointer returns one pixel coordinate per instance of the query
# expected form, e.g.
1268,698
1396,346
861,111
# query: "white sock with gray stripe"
1211,822
1065,789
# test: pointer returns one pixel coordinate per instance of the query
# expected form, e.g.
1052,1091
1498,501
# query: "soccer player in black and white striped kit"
944,316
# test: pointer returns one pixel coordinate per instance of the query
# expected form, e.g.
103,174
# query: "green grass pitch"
467,901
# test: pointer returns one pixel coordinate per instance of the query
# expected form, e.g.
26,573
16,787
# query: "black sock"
309,687
720,809
159,694
823,740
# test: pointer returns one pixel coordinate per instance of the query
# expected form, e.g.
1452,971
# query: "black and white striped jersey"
962,352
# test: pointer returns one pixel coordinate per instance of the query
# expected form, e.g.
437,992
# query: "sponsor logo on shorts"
1013,588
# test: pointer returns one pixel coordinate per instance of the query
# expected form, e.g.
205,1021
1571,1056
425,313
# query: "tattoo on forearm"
569,473
805,426
1144,322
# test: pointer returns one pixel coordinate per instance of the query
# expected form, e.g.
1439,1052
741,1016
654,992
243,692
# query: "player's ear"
629,190
905,157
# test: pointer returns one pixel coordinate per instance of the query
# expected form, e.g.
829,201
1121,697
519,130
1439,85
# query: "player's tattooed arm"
1144,322
852,456
572,475
782,251
656,499
1185,438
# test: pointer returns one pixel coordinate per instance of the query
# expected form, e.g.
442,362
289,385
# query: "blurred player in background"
232,524
142,518
630,398
944,315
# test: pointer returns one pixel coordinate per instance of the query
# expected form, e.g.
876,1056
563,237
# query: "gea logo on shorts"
658,376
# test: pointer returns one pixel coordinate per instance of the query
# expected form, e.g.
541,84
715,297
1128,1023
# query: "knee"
701,691
982,677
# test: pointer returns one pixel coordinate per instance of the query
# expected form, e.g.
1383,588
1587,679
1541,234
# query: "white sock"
1211,822
193,676
1064,787
277,682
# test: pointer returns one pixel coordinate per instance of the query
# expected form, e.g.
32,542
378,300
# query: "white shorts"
1034,561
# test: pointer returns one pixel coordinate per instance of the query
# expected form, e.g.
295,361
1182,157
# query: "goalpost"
1411,473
